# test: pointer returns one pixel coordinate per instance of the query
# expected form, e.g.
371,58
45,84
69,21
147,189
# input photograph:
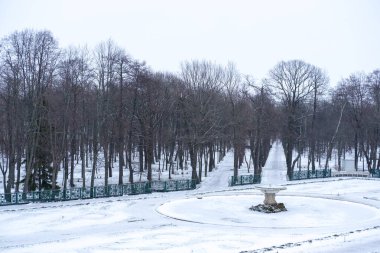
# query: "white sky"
340,36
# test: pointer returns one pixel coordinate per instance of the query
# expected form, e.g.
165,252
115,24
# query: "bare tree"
232,83
330,144
263,122
356,95
31,59
106,59
75,79
292,83
202,81
373,86
319,80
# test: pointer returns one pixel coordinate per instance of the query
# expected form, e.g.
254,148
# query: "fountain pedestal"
270,193
270,204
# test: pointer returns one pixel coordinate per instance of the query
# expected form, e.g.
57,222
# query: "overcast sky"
339,36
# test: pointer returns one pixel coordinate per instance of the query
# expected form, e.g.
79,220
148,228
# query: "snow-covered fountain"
270,205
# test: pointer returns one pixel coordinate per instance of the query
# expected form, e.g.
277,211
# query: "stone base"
275,208
270,199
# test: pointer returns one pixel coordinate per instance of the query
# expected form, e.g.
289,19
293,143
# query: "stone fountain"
270,193
270,205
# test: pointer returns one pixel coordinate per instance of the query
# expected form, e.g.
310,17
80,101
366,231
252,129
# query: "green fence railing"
113,190
244,180
308,174
172,185
375,172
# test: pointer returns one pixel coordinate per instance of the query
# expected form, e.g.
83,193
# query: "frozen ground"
327,215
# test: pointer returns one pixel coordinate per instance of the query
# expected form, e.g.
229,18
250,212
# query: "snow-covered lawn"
303,212
330,215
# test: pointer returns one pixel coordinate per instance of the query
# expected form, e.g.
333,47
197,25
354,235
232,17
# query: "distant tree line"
63,107
316,119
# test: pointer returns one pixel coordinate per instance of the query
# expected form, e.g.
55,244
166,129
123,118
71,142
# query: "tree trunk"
121,162
19,162
211,165
356,158
200,161
330,145
83,160
340,155
72,158
149,154
129,158
193,161
236,161
106,164
110,157
95,154
141,154
288,149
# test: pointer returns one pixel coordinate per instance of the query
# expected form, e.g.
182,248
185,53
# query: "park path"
218,179
274,171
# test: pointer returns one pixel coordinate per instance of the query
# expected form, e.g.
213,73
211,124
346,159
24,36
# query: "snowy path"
217,218
274,171
218,179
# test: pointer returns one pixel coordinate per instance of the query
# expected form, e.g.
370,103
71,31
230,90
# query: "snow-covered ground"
329,215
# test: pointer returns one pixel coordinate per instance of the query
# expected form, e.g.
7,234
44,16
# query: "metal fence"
113,190
375,173
244,179
350,174
172,185
308,174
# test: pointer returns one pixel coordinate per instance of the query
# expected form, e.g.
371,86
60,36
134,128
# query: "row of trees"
316,120
62,107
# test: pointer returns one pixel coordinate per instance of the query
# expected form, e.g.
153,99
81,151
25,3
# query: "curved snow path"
303,212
